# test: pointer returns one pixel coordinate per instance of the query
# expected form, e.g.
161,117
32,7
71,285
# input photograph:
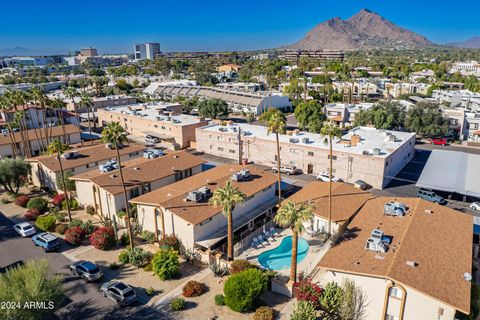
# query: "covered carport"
452,172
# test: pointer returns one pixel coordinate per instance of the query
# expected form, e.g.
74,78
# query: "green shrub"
5,200
165,263
61,228
219,300
147,236
123,257
75,223
90,210
88,227
240,265
58,214
193,289
170,242
125,239
331,297
243,288
303,311
177,304
40,204
148,266
264,313
151,291
46,223
73,204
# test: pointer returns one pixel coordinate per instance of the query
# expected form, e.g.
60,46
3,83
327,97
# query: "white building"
16,62
146,50
455,98
248,102
103,190
395,90
426,270
343,113
375,156
182,208
471,68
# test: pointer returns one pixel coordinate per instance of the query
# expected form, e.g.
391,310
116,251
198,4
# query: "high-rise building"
88,52
146,50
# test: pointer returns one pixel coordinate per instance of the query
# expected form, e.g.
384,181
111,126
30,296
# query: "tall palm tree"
228,197
330,131
71,93
5,108
275,121
115,135
59,105
87,102
57,147
16,99
294,216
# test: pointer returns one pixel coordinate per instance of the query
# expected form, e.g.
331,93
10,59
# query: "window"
90,165
163,127
231,151
333,157
292,162
219,138
292,150
311,153
155,126
209,136
220,148
473,126
211,147
390,317
386,164
395,292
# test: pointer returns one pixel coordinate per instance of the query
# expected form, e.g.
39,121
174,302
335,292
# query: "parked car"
475,205
151,139
430,196
360,184
119,292
47,241
324,176
288,170
439,141
86,270
24,229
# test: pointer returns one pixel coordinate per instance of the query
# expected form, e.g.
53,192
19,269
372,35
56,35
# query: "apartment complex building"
182,207
97,102
238,101
346,202
395,90
471,68
38,117
46,169
455,98
372,155
343,113
415,266
163,121
35,139
103,189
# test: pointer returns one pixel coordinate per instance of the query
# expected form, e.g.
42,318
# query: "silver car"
119,292
24,229
86,270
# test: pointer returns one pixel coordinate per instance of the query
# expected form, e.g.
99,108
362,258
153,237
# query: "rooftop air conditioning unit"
158,118
71,155
237,176
245,173
305,140
376,151
194,196
293,140
377,241
152,153
365,153
205,191
221,129
396,209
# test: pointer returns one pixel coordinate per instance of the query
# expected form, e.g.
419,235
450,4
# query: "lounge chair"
261,241
274,232
254,244
268,235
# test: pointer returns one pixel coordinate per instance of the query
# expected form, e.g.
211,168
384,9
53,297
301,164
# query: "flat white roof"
371,138
452,171
152,113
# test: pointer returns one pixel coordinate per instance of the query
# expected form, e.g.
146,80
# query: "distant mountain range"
22,51
365,30
472,43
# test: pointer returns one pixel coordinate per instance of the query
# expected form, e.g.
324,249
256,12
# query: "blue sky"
113,26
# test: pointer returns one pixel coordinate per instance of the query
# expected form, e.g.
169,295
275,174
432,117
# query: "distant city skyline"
114,26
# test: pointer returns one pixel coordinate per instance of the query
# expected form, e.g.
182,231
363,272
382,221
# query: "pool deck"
306,266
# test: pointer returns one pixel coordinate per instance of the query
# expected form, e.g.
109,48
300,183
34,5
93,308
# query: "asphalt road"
82,301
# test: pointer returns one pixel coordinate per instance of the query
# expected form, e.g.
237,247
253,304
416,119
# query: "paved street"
83,301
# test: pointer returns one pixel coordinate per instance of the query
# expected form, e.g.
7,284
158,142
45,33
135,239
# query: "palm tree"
228,197
275,121
115,135
5,108
56,146
293,217
87,102
330,131
71,93
58,105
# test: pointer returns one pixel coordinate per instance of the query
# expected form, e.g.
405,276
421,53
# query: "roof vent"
113,176
136,169
293,140
412,264
428,211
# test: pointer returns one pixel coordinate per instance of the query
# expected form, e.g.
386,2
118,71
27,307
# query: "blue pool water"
280,257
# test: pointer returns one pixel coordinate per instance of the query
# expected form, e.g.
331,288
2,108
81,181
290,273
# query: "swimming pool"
280,257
